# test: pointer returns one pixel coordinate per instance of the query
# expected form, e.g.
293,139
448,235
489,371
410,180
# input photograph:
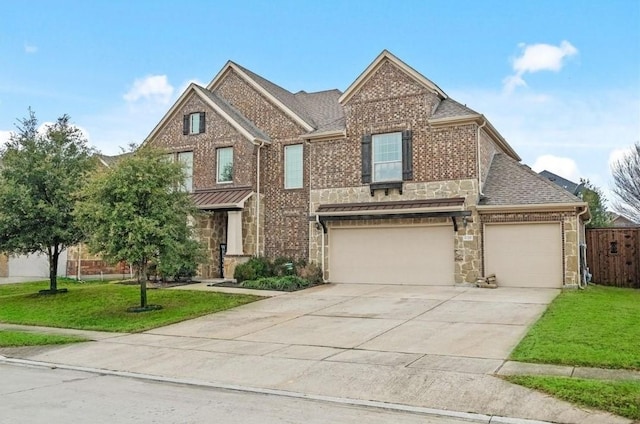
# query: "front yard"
102,306
598,327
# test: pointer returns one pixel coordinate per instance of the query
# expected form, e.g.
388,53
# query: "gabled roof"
109,161
511,183
226,111
570,186
221,199
371,69
324,109
283,99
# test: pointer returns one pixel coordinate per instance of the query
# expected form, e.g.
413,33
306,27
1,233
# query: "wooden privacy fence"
613,256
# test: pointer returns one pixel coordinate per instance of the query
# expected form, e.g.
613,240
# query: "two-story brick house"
390,181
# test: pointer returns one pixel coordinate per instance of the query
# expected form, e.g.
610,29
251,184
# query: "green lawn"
618,397
26,338
100,306
596,327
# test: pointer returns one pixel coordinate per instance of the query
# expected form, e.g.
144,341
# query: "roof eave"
393,211
477,119
550,207
365,75
326,135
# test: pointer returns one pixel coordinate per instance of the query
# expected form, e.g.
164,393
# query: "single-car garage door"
392,255
524,255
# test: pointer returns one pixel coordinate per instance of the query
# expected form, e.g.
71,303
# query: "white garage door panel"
524,255
391,255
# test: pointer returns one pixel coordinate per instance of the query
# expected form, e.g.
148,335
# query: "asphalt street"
33,395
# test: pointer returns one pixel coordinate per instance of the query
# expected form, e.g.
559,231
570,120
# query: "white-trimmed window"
194,123
225,165
186,159
387,157
293,166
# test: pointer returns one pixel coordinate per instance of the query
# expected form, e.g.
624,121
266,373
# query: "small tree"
135,212
596,199
626,180
40,178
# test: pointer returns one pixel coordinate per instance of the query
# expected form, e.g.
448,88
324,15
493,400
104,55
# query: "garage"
392,255
524,255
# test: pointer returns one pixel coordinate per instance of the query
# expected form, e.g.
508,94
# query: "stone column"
234,233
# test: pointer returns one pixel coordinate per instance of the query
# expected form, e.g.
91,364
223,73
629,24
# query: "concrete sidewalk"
429,347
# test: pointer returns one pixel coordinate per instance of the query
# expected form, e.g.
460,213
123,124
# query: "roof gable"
226,111
382,58
283,99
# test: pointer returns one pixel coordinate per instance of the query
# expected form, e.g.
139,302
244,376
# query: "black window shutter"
366,159
185,124
202,122
407,156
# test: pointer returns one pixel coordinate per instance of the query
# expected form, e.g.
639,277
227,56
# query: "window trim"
187,123
218,150
301,171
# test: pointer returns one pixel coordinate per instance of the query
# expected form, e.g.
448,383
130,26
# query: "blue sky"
559,79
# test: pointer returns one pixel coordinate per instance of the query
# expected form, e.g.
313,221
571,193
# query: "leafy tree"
134,212
39,181
626,180
596,199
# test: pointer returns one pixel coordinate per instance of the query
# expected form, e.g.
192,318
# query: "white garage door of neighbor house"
392,255
524,255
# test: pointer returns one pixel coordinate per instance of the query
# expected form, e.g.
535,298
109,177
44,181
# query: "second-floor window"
387,157
293,168
194,123
225,165
186,159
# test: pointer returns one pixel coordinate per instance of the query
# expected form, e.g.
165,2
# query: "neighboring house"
570,186
390,181
621,221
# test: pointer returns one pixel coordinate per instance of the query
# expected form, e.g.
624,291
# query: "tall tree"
41,174
626,180
136,212
596,199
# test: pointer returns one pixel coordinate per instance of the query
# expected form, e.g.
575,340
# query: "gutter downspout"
321,228
480,193
580,276
260,146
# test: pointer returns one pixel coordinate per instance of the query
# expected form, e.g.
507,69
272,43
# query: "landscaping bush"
253,269
310,272
285,283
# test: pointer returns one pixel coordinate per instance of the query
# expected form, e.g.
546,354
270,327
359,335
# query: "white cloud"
617,154
155,88
564,167
4,136
536,58
30,48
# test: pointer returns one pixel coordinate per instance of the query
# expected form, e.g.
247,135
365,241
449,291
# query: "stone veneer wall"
570,235
467,253
212,229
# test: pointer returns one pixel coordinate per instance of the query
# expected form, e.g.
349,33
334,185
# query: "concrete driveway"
435,347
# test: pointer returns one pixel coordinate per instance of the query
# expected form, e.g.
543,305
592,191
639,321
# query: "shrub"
252,269
285,283
310,272
283,266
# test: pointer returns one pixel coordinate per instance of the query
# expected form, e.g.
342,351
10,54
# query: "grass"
597,327
26,338
102,307
618,397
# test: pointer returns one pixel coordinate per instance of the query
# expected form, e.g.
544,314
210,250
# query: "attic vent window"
193,123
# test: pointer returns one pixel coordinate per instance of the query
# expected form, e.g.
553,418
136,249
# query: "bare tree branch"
626,180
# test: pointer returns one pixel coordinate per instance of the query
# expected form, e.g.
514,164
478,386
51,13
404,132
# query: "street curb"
468,416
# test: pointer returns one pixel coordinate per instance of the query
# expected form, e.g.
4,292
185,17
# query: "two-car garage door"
524,255
392,255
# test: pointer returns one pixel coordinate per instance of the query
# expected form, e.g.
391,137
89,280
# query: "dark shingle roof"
285,96
112,160
324,109
570,186
511,183
235,115
449,108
